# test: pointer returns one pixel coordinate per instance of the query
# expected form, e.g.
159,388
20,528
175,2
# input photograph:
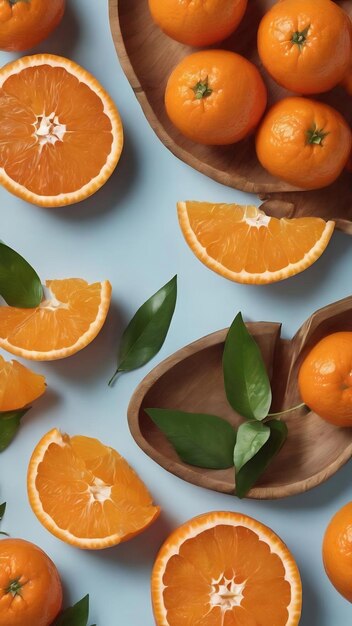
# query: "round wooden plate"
192,380
148,56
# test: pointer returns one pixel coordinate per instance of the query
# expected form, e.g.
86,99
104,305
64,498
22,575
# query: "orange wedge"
65,322
18,385
225,569
60,133
245,245
86,493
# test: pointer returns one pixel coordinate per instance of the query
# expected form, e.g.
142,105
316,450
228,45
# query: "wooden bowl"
148,56
191,380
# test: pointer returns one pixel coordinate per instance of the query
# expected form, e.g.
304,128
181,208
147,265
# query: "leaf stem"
293,408
114,377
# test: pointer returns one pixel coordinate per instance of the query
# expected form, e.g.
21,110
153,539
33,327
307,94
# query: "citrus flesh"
85,493
18,385
64,323
245,245
60,133
225,569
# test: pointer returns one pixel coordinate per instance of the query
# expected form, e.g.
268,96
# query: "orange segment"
225,569
60,133
18,385
85,493
67,321
245,245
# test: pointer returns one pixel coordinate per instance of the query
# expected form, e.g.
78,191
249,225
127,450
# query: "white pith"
226,594
48,130
110,111
260,220
100,491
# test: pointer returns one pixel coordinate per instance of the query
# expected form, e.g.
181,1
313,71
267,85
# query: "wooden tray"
191,380
148,56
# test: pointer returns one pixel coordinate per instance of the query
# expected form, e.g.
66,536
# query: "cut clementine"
245,245
225,569
85,493
65,322
18,385
60,133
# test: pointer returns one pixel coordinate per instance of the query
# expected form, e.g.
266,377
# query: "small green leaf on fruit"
9,424
253,469
199,439
246,380
76,615
251,437
147,331
20,285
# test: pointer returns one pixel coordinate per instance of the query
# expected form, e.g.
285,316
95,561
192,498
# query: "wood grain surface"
192,380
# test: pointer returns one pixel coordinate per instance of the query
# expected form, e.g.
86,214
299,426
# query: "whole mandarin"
337,551
306,45
195,22
325,379
215,97
304,142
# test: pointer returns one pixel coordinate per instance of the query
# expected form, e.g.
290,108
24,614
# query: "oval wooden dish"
148,56
191,380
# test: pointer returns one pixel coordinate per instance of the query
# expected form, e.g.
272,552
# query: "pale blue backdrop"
128,233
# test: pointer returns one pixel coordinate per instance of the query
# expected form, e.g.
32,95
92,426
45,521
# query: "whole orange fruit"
306,44
198,23
215,97
25,23
30,587
325,379
337,551
304,142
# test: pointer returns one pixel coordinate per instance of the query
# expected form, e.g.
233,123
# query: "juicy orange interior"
57,322
89,490
226,576
247,240
18,385
54,134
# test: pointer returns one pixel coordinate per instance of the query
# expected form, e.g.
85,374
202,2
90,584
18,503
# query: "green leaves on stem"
9,425
76,615
20,285
199,439
246,380
146,332
211,442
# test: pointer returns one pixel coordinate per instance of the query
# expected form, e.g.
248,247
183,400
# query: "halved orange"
65,322
245,245
60,133
225,569
18,385
85,493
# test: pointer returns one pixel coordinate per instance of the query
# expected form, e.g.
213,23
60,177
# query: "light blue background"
128,233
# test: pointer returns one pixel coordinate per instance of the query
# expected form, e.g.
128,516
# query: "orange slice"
65,322
245,245
18,385
60,133
86,493
225,569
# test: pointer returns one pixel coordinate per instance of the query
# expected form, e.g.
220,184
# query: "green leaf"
246,380
251,472
146,332
9,424
76,615
251,437
2,510
199,439
20,285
